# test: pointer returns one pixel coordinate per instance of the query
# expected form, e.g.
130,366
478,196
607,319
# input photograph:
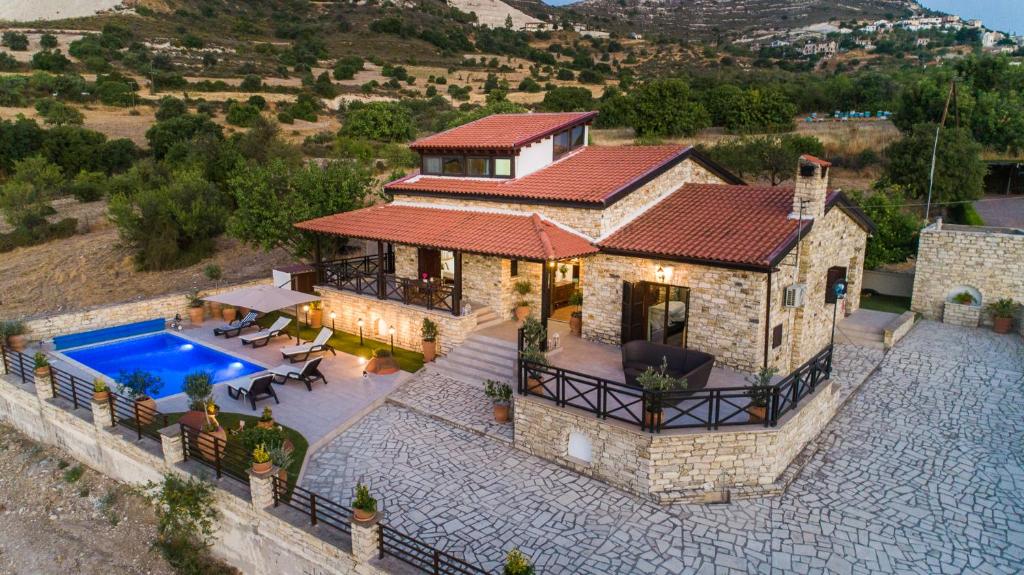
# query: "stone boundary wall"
961,314
165,306
675,465
248,536
407,320
949,257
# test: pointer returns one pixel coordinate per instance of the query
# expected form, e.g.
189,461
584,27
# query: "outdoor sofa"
694,365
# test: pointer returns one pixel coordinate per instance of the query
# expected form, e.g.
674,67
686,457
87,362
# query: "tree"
959,169
50,60
170,107
568,99
24,199
73,148
382,121
242,114
896,230
15,41
273,196
162,135
508,21
251,83
765,158
667,108
998,121
58,113
48,41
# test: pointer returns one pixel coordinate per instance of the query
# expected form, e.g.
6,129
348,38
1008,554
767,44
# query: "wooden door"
835,275
430,263
633,317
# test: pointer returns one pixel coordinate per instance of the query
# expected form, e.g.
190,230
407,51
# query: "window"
479,167
834,276
453,166
515,268
577,136
561,144
568,140
503,167
431,165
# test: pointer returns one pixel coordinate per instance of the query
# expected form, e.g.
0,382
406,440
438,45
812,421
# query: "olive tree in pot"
760,393
42,364
199,389
364,506
429,334
522,309
140,386
516,563
576,319
195,308
501,395
655,383
1002,311
13,333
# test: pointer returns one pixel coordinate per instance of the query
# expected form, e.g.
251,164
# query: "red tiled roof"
815,160
729,224
502,131
514,236
593,174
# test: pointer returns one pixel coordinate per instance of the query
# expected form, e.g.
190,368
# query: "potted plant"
1002,311
100,391
140,385
563,270
212,439
522,309
13,332
964,298
199,389
42,364
229,313
501,395
282,459
533,382
266,420
364,506
516,563
534,333
657,382
576,319
316,314
216,308
195,308
261,462
382,363
760,393
429,334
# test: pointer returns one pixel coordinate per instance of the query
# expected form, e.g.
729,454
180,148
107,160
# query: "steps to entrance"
485,317
864,328
479,358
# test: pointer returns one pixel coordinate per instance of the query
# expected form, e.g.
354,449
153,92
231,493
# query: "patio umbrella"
264,299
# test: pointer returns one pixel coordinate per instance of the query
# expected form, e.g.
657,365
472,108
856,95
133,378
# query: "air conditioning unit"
794,295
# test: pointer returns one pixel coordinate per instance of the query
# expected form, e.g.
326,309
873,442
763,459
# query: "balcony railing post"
774,413
714,409
437,562
138,420
74,389
216,454
312,508
113,410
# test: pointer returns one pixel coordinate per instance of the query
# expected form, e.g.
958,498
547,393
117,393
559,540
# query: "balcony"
374,276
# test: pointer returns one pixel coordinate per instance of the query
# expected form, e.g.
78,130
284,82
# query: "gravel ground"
52,522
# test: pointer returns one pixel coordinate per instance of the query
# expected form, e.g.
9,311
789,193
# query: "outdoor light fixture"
360,324
660,274
305,310
840,291
333,315
391,332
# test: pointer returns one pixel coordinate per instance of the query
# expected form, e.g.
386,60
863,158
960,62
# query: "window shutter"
835,275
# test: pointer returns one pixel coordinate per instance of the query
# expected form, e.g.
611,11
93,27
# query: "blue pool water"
166,356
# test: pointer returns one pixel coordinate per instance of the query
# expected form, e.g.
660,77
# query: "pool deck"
318,415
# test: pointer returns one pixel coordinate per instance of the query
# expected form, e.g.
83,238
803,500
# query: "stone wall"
963,315
642,198
248,536
674,465
165,306
379,315
990,260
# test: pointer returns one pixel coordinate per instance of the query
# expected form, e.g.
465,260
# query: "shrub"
186,520
50,60
48,41
170,107
251,437
382,121
964,298
242,114
251,83
73,474
1002,308
516,563
497,391
15,41
213,272
363,500
58,113
429,330
88,186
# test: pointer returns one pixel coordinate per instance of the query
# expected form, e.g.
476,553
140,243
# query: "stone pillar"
170,441
44,384
261,488
366,539
101,413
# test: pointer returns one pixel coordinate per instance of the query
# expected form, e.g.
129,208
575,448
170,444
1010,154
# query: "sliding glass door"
655,312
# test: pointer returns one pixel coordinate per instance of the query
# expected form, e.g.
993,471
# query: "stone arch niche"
965,288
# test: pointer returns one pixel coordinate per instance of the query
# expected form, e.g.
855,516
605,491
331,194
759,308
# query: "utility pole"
935,147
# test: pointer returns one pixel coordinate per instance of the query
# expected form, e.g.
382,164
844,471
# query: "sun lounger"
263,337
234,328
308,373
257,388
296,353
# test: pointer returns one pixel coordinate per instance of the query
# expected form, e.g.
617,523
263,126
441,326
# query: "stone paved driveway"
922,472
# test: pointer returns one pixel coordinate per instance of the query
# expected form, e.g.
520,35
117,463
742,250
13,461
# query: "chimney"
811,187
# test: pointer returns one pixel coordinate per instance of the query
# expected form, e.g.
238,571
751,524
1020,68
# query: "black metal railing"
140,417
656,410
332,272
366,276
226,458
19,364
319,509
67,386
421,555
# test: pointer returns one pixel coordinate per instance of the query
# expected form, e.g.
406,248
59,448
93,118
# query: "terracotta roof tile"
815,160
508,235
593,174
502,131
744,225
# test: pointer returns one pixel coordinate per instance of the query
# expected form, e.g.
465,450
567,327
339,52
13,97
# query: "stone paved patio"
922,472
454,401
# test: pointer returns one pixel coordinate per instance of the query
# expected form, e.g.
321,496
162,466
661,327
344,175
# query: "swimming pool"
164,355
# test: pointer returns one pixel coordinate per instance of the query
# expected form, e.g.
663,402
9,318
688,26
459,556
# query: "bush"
382,121
58,113
48,41
213,272
186,523
50,60
242,114
568,99
170,107
529,85
251,83
88,186
15,41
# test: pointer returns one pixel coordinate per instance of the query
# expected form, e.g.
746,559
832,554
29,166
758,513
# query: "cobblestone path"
921,472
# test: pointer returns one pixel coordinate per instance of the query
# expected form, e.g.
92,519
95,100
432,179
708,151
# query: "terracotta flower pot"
229,314
501,411
429,351
522,312
382,365
534,386
1002,324
101,396
757,413
17,342
146,409
652,419
363,516
269,424
42,371
261,468
576,325
216,308
208,448
316,318
195,315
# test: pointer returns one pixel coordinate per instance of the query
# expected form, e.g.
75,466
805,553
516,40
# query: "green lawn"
410,361
889,303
